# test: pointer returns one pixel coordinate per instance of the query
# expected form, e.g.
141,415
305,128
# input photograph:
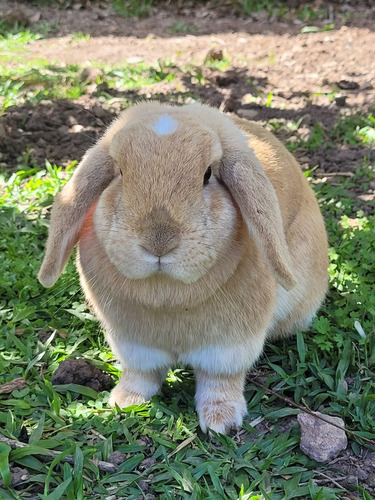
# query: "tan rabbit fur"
180,267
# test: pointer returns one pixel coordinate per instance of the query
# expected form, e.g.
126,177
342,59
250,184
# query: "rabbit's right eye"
121,173
207,176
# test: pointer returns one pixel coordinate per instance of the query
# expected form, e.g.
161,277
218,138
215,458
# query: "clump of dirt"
79,371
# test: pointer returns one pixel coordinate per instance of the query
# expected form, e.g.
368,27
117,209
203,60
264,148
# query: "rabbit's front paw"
135,387
221,416
124,398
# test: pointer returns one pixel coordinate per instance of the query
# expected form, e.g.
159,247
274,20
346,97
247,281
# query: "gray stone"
352,479
90,74
116,458
248,114
320,440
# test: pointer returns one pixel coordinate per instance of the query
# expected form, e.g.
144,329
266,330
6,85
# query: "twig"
104,466
182,445
310,412
333,481
334,174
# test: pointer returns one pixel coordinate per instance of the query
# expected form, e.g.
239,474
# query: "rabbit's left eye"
207,176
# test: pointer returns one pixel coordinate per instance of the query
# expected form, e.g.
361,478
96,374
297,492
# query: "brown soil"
79,371
267,56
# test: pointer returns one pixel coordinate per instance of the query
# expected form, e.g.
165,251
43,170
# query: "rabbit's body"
198,275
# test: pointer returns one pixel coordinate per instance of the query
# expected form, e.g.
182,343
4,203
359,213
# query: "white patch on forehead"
165,125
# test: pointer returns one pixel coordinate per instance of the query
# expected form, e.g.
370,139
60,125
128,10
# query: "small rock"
77,128
214,54
17,476
228,105
143,485
100,113
146,463
116,458
361,474
340,100
367,85
320,440
71,120
91,75
41,142
248,114
347,85
351,479
103,14
144,441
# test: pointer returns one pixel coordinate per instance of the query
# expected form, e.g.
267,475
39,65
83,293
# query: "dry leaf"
8,387
62,334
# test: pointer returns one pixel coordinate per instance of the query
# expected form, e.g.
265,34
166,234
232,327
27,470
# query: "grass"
132,8
37,81
142,8
350,130
76,420
330,368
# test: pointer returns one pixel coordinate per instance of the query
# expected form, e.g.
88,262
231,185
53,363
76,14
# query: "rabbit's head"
170,186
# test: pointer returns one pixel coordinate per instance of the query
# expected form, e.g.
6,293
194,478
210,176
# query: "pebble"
116,458
351,479
320,440
143,485
248,114
77,128
90,74
146,463
228,105
214,54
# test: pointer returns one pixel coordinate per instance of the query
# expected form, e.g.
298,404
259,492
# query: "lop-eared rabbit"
199,239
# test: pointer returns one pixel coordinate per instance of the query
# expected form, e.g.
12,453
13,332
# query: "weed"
39,80
81,36
131,8
182,27
220,65
250,6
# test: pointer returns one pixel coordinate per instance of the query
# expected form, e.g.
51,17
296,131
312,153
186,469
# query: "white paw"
123,398
221,416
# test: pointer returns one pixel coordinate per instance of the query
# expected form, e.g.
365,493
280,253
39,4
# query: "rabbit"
199,239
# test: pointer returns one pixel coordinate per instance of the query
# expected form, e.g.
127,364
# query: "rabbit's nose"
160,241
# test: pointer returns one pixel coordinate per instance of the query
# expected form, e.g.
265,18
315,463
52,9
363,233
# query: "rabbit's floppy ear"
253,192
70,208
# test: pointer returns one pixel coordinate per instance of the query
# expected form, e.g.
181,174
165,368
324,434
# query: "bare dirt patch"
300,73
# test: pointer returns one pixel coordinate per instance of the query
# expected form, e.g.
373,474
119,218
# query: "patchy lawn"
52,112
